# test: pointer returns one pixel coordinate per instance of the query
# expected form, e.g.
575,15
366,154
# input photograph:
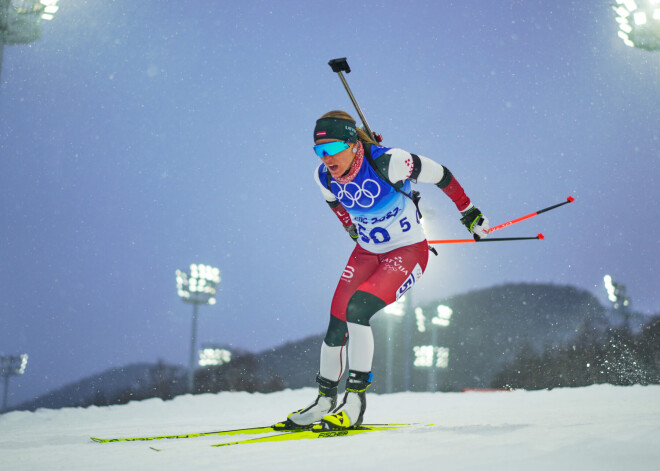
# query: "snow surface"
600,428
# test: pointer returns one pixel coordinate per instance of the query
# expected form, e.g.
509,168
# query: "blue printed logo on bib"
357,195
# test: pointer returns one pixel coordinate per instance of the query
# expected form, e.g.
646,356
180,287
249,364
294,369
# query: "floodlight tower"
639,23
197,287
212,355
431,356
11,365
440,320
20,21
395,312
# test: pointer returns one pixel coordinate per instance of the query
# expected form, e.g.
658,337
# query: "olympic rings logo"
364,196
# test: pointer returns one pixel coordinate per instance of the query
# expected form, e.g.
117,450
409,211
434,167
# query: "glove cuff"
467,210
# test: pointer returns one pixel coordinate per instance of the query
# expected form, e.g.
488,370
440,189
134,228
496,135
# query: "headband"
335,128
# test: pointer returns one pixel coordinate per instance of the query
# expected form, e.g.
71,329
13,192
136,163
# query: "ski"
312,434
239,431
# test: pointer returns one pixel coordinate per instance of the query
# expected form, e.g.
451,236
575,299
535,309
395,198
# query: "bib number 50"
379,235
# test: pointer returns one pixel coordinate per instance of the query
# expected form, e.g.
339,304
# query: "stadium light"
616,293
639,23
420,319
214,356
11,365
443,317
197,287
20,21
431,356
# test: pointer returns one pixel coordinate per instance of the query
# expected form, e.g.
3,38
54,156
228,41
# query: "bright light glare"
24,360
622,12
426,354
609,287
639,25
444,316
397,308
630,5
214,357
200,286
13,365
640,18
442,357
423,356
420,318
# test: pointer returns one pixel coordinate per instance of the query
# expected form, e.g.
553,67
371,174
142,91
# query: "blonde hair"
362,134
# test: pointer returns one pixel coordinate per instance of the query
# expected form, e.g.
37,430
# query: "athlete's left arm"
406,166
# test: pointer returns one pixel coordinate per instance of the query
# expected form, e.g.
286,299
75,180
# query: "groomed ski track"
600,427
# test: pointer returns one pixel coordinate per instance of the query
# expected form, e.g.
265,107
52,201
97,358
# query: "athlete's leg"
333,350
396,273
360,266
361,307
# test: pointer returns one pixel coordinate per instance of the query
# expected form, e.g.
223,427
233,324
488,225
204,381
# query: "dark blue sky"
139,137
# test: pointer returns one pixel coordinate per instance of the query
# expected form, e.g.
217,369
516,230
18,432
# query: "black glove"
475,222
352,231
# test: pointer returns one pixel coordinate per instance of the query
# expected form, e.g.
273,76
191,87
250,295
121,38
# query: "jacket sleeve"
332,201
327,194
404,165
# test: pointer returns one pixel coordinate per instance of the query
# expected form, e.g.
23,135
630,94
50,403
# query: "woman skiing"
368,188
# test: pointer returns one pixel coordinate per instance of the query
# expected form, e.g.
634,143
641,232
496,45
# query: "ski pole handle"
341,65
495,239
570,199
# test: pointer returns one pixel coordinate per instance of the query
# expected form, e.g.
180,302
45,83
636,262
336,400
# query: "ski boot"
350,412
304,418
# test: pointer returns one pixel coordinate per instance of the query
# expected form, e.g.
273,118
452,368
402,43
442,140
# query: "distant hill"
485,331
115,385
295,362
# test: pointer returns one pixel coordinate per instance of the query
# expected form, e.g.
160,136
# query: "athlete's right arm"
337,208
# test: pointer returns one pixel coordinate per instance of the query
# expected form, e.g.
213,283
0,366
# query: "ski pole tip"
570,199
540,236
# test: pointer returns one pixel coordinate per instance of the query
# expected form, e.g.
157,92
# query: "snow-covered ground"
595,428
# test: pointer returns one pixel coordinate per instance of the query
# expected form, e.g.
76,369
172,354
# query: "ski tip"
570,199
540,236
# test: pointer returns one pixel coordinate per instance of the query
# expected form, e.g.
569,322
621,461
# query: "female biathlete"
368,188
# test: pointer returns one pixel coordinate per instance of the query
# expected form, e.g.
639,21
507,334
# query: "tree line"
166,382
614,355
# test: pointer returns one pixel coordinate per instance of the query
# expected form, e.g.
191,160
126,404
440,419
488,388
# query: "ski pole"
341,65
495,239
570,199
